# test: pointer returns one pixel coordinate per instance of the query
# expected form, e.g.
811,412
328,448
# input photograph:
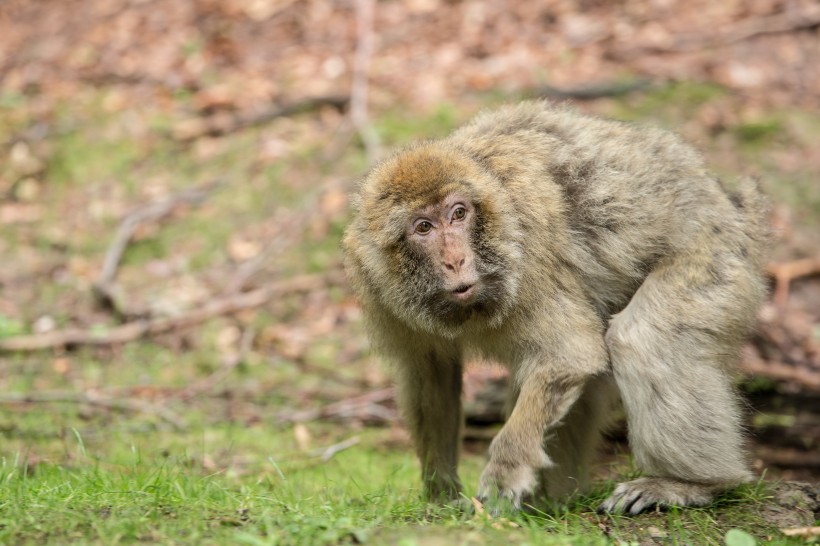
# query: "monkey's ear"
355,199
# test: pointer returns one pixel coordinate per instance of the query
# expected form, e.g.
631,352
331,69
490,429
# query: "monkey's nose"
454,265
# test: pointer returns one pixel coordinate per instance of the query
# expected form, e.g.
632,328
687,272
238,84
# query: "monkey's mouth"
463,292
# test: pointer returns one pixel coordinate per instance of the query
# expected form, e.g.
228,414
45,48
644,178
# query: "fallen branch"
93,399
789,21
148,327
805,532
199,127
595,91
293,225
364,406
784,273
104,287
788,457
780,371
325,454
234,360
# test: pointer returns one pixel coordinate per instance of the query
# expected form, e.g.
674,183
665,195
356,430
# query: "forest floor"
181,360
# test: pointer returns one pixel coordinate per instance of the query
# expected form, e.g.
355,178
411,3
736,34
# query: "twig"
234,360
367,405
789,21
327,453
104,287
207,127
788,457
780,371
784,273
804,532
124,404
597,91
772,24
293,226
147,327
361,67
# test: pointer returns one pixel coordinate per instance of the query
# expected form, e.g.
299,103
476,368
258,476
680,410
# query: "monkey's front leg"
517,452
429,397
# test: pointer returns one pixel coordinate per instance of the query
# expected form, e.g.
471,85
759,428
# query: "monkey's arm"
517,452
547,383
429,397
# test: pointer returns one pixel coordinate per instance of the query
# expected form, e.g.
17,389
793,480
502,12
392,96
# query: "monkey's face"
444,267
434,241
441,232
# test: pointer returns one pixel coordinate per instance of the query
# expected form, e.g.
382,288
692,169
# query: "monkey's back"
627,196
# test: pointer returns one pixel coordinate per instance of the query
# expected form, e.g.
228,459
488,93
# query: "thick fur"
608,254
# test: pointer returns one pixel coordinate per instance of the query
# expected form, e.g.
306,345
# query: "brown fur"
606,255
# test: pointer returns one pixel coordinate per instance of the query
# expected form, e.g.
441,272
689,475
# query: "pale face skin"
443,232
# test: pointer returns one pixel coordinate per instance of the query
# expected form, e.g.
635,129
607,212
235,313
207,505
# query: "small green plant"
738,537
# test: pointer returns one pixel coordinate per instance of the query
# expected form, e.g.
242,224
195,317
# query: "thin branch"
327,453
595,91
780,371
784,273
788,457
365,405
361,66
148,327
104,289
789,21
92,399
778,23
805,532
234,360
293,225
199,127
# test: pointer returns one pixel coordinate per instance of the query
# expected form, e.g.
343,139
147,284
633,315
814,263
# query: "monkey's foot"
635,496
443,489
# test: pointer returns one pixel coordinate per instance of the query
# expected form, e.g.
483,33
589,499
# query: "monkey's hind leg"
669,349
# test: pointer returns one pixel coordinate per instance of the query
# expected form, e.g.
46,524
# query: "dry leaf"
241,249
61,365
302,436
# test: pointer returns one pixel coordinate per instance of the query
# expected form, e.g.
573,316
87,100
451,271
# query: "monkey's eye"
459,213
424,227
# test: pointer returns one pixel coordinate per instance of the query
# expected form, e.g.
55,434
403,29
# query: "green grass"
234,484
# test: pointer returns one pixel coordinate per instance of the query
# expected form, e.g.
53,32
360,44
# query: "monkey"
599,261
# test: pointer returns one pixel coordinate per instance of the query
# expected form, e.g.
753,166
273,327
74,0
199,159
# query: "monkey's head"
435,241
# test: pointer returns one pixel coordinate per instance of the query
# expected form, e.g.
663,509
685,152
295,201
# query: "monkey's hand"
512,473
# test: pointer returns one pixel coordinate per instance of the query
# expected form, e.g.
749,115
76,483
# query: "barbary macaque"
595,259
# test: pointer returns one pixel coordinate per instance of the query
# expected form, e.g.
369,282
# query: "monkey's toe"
639,495
628,502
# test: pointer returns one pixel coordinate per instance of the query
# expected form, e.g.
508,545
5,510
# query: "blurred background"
174,180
